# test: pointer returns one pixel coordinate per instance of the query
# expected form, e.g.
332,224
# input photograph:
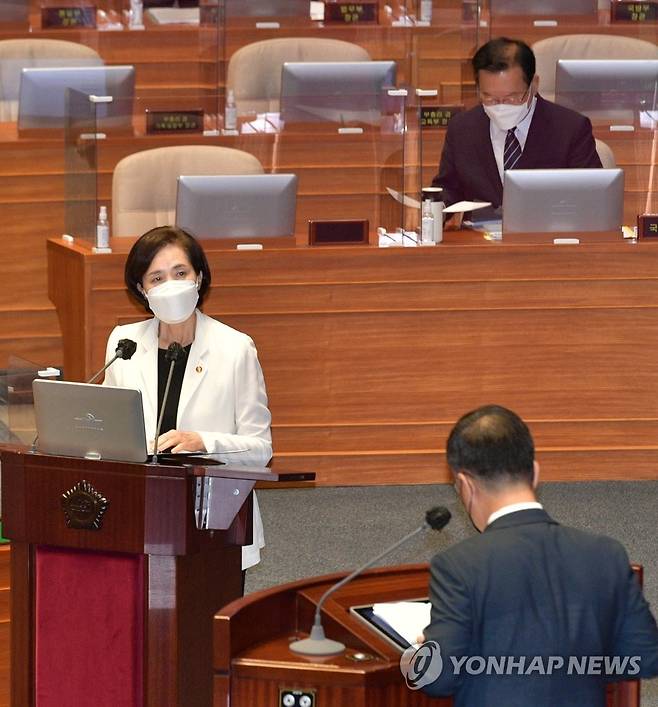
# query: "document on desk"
408,618
462,206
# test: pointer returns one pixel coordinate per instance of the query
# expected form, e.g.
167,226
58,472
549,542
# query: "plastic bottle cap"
103,212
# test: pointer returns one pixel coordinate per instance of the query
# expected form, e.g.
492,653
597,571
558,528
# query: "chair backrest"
605,154
144,184
18,54
254,71
585,46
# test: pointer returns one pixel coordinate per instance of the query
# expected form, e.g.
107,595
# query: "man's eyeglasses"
513,99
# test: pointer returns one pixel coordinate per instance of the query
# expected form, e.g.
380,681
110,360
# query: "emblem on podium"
84,507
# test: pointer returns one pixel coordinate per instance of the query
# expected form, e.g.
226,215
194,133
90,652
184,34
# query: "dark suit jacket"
558,137
528,586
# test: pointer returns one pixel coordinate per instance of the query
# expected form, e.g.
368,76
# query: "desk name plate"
647,226
174,121
623,11
351,12
437,116
67,17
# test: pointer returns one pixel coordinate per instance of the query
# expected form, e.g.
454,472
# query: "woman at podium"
217,401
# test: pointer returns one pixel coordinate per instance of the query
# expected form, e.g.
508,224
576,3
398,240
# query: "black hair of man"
503,53
492,444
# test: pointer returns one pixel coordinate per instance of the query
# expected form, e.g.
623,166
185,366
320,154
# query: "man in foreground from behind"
529,613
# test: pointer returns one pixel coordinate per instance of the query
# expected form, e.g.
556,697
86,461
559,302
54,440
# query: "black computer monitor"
607,89
42,96
335,91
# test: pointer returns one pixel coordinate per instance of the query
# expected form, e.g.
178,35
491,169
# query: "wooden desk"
252,660
370,355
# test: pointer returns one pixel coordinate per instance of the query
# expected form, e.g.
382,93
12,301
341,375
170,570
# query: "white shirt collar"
498,136
513,508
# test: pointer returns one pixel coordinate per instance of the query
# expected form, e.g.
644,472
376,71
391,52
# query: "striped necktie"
512,152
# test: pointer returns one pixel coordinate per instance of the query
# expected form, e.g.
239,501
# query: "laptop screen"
90,421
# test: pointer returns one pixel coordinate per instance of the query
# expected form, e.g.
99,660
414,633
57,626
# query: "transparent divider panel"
18,423
162,121
80,155
620,100
309,32
442,51
14,14
349,162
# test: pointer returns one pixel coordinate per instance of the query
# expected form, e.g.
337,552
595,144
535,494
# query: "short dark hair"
144,250
501,54
493,444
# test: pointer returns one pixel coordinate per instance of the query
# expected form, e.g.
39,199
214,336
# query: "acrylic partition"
17,423
620,99
354,157
542,19
80,157
14,15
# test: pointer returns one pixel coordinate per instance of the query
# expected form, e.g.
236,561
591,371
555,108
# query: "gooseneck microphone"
317,643
125,349
174,352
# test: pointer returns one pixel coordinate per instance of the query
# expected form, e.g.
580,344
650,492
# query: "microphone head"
438,517
174,352
126,348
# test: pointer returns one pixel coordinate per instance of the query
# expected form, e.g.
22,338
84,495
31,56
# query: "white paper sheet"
408,618
462,206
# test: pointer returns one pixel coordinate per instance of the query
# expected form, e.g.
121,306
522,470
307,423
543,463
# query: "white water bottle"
425,14
230,112
427,224
102,231
136,14
437,212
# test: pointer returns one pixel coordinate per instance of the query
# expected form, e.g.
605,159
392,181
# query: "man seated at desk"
513,127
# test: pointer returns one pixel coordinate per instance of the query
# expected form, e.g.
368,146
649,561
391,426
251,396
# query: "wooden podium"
117,570
254,667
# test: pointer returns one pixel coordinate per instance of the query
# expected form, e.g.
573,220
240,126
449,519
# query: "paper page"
407,200
317,10
462,206
408,618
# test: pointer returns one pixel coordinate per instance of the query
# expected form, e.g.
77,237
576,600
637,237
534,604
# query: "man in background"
513,127
527,587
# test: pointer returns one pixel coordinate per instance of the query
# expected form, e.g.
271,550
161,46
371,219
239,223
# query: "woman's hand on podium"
178,441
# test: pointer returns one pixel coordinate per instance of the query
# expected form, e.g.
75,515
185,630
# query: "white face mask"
505,116
173,301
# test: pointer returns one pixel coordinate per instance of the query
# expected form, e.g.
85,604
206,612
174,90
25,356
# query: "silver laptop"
91,421
562,200
237,206
42,95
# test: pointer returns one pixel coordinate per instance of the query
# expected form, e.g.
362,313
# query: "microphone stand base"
314,646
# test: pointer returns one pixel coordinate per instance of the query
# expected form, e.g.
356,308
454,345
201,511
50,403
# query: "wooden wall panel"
370,355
